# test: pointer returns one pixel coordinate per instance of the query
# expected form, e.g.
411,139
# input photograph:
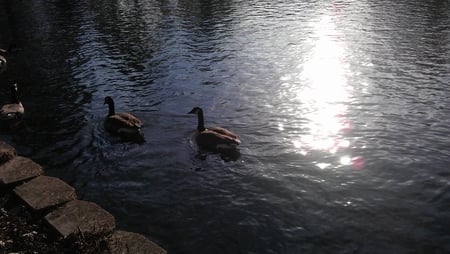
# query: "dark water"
343,108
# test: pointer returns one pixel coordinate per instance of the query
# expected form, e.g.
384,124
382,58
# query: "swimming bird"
2,63
15,109
3,52
123,124
213,137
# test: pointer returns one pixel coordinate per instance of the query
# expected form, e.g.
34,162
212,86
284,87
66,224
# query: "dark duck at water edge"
213,138
2,63
125,124
13,110
3,53
2,60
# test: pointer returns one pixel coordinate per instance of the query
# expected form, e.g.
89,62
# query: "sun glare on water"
325,93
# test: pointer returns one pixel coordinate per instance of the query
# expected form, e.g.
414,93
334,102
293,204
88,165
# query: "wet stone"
124,242
7,152
45,191
19,169
83,217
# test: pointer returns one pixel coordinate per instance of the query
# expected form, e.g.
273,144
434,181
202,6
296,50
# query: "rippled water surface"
342,106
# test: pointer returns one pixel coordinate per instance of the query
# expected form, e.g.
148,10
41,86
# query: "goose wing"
121,126
210,138
116,122
130,119
226,133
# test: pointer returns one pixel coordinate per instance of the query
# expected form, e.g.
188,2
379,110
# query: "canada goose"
3,52
2,63
213,137
15,109
123,124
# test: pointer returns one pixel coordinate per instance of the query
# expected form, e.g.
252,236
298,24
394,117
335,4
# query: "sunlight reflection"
345,160
326,94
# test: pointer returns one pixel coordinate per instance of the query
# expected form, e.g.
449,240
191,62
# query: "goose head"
196,110
14,87
108,100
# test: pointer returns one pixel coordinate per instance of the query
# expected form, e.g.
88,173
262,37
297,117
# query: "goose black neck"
112,110
14,98
201,121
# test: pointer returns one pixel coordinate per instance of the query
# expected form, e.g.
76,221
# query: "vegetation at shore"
22,231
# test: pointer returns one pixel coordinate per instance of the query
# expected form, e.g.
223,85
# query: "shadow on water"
137,138
225,153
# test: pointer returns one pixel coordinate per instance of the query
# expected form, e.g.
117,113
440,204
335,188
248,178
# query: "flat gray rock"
45,191
19,169
123,242
79,216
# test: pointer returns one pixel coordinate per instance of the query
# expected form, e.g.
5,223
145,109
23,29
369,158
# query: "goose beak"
192,111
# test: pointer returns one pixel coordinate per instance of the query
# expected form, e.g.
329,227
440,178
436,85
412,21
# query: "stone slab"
7,152
83,217
19,169
123,242
45,191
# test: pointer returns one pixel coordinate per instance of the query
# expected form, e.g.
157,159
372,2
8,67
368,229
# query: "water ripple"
341,106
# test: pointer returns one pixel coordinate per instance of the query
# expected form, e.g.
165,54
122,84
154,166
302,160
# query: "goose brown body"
213,137
13,110
124,124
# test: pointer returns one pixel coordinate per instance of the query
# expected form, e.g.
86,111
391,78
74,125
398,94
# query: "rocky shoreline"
22,232
41,214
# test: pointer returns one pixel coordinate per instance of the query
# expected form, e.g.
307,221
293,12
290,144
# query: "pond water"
342,108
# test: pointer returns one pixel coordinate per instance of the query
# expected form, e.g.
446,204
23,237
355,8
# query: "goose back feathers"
213,137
